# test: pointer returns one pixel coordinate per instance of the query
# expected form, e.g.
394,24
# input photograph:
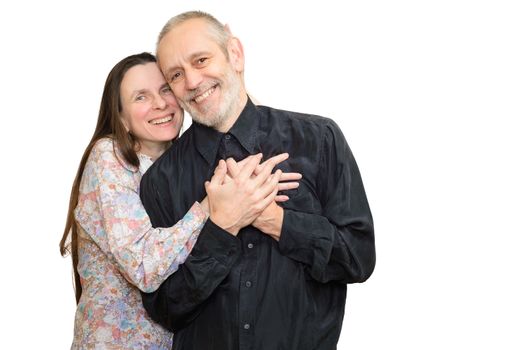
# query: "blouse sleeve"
111,212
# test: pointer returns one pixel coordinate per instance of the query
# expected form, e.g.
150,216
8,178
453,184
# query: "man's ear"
236,54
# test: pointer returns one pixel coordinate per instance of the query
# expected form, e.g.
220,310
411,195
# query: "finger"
248,169
227,179
265,173
243,162
233,168
291,176
217,167
207,187
220,173
281,198
273,160
269,186
266,201
284,186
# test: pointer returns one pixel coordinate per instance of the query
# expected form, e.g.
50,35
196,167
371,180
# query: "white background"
430,95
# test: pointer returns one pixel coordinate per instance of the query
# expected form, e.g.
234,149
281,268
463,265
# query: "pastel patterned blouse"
120,253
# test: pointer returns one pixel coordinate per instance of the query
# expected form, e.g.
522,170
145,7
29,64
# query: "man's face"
204,80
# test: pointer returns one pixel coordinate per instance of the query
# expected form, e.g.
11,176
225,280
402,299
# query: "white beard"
230,91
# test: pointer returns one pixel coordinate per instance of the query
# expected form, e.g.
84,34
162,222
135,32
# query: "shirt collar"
244,130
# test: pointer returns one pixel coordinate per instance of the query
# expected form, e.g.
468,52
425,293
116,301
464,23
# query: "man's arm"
337,245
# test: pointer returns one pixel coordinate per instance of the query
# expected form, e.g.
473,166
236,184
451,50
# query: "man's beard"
230,88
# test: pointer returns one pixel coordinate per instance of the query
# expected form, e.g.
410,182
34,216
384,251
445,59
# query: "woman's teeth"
162,120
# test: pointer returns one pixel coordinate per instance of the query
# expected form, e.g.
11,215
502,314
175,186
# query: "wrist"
277,224
271,224
224,224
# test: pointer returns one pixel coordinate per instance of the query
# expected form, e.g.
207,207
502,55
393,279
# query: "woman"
115,250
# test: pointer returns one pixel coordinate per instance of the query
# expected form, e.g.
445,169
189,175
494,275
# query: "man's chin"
210,121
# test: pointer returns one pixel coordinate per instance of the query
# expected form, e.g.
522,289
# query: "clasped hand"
245,193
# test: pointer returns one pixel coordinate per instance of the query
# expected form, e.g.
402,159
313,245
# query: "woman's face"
149,108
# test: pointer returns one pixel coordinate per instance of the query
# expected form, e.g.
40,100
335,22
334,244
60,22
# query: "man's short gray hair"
217,29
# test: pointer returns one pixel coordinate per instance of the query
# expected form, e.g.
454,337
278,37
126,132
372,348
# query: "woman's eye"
140,98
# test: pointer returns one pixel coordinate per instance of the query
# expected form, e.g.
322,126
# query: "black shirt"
250,291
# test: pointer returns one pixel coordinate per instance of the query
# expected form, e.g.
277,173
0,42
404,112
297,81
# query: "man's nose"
193,79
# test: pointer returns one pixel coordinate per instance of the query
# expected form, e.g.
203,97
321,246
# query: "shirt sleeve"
178,300
111,212
337,245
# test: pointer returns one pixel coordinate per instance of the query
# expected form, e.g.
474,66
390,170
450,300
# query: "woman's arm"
111,212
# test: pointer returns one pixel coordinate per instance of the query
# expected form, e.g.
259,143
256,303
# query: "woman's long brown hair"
109,124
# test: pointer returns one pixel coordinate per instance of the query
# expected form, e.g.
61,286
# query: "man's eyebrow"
199,54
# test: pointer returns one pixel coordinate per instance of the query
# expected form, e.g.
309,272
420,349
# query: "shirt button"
250,245
248,284
246,326
227,136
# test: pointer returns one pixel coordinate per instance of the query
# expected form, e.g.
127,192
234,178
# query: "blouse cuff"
198,212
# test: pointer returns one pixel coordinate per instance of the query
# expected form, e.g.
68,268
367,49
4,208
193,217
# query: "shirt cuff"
197,210
306,237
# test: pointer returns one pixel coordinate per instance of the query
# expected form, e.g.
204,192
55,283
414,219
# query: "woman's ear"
125,123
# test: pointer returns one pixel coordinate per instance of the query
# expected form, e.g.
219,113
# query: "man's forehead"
185,40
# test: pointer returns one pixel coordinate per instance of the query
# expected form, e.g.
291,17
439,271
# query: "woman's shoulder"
105,152
103,145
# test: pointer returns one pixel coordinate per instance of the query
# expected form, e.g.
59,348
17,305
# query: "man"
276,280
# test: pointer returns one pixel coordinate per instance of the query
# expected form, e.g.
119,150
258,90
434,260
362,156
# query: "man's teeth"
162,120
199,98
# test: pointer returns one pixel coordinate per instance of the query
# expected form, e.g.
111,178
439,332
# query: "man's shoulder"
297,119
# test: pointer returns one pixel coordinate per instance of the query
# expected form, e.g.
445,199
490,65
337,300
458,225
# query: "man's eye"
202,60
175,76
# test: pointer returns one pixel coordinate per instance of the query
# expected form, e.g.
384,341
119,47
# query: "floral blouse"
120,253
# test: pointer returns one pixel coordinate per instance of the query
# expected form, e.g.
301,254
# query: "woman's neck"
153,149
